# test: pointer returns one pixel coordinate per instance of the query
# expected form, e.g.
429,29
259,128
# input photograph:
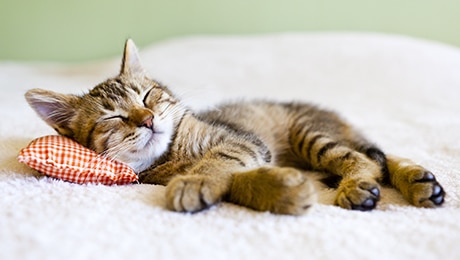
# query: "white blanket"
403,93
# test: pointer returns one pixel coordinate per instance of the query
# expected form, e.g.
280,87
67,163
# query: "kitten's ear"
56,109
131,64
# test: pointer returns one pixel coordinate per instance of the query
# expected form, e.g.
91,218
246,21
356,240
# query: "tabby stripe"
229,157
108,105
324,149
221,139
267,155
118,80
130,137
298,117
248,150
263,150
311,143
302,138
174,138
378,156
345,157
136,89
300,122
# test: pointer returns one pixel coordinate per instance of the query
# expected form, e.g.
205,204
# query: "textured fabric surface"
403,93
60,157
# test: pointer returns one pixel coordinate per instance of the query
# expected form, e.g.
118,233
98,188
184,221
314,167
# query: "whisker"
173,111
165,109
114,151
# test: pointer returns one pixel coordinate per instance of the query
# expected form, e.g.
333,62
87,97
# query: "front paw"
192,193
358,194
278,190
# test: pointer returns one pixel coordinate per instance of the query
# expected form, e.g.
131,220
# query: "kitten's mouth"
152,140
155,133
154,137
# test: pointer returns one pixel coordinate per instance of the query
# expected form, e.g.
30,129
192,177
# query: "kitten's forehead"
118,91
115,88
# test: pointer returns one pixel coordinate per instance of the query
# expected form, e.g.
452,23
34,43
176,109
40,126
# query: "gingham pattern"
62,158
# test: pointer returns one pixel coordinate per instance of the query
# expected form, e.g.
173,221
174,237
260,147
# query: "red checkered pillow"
65,159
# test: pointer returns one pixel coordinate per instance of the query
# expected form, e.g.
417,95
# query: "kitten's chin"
142,159
140,166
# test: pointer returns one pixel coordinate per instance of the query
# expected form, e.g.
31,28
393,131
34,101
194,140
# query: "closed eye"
116,117
145,97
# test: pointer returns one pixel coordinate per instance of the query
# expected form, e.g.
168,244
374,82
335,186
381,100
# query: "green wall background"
78,30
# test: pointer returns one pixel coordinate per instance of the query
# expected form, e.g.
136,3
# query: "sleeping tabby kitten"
254,154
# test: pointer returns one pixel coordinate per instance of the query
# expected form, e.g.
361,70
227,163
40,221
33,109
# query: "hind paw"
424,190
358,194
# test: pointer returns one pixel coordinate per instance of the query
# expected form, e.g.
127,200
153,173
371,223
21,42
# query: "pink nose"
141,117
148,122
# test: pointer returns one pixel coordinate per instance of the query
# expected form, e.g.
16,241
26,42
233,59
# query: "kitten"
255,154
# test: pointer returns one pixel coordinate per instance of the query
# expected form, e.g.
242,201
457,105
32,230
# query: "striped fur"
256,154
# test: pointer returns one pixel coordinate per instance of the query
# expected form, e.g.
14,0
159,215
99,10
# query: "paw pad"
437,197
358,195
430,196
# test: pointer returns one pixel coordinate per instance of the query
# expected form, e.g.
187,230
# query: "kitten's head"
130,118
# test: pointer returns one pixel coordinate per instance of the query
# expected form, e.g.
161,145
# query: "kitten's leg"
210,178
162,174
359,188
278,190
230,175
418,185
